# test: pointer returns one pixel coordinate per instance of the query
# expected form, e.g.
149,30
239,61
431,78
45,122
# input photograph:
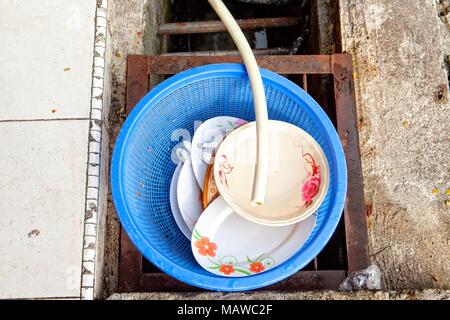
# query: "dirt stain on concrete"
33,233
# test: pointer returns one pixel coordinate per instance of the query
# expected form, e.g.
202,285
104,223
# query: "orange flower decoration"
257,267
205,247
226,269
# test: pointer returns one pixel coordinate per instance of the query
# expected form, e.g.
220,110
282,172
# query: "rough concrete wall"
307,295
325,30
404,116
132,30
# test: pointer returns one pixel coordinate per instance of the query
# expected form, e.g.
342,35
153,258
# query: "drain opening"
332,262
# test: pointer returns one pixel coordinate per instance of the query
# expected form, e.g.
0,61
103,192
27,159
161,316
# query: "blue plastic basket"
142,168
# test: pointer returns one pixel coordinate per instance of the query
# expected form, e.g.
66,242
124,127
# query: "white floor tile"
42,203
46,58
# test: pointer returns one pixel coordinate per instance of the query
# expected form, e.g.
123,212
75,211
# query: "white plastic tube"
259,97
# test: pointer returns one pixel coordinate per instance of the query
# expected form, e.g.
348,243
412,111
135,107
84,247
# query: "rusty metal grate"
347,251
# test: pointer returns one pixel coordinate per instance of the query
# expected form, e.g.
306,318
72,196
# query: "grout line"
39,120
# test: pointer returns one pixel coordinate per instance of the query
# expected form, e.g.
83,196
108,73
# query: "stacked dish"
226,239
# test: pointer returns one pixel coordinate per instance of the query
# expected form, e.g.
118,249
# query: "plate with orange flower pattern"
226,244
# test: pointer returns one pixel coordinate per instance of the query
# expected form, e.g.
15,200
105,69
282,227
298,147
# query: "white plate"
174,203
227,244
206,138
189,196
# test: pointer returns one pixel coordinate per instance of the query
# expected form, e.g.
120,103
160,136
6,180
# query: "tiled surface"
47,76
95,190
46,58
42,207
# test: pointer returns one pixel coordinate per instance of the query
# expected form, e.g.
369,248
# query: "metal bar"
303,280
130,265
284,64
160,282
305,87
265,51
316,264
137,80
354,211
305,82
218,26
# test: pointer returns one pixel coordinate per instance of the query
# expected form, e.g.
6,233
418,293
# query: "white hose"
262,120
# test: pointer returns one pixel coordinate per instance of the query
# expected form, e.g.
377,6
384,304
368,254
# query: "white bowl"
298,174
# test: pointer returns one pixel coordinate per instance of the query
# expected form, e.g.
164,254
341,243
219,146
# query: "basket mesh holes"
148,164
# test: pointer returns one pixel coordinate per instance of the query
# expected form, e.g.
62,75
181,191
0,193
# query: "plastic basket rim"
214,282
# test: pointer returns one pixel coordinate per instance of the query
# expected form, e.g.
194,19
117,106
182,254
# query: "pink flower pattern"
311,184
225,168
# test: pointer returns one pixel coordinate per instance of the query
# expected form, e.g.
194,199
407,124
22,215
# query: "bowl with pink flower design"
298,174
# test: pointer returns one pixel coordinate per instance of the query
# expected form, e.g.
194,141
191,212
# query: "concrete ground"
50,139
45,89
